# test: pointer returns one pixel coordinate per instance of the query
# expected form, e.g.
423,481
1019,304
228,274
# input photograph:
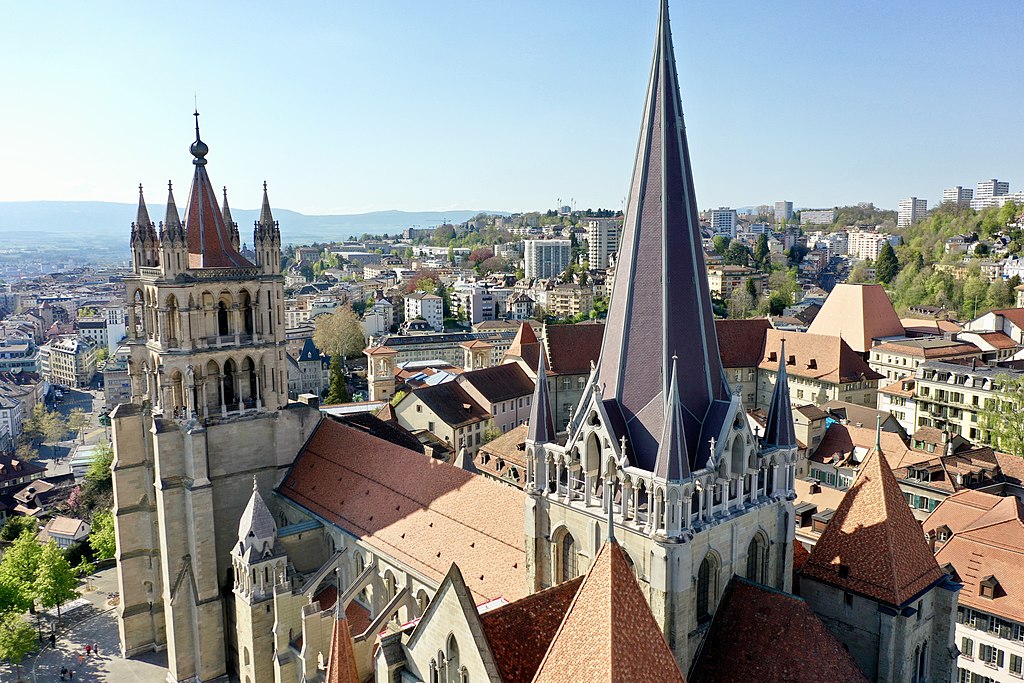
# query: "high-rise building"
783,211
910,211
207,421
723,221
547,258
602,241
988,192
961,196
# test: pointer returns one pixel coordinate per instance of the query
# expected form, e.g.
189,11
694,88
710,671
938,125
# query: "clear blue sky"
347,107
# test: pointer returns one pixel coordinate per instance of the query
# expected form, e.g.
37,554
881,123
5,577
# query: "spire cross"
140,189
878,433
168,185
255,487
264,185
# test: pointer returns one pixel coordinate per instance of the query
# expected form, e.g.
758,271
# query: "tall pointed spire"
541,428
227,210
341,661
209,238
778,430
142,217
673,463
171,219
660,300
266,217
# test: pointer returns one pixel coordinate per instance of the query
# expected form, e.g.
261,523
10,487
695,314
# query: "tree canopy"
339,334
1001,416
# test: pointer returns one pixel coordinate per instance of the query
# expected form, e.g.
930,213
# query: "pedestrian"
71,675
53,640
88,650
63,672
96,649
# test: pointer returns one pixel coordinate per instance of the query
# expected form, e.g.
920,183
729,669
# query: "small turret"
258,556
140,231
173,246
231,225
267,238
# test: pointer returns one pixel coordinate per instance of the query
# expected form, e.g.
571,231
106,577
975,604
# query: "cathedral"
653,540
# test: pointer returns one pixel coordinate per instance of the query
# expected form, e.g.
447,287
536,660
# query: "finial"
622,445
878,433
199,149
168,185
255,486
140,189
711,441
225,192
264,185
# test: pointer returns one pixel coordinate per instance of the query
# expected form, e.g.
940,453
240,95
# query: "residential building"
117,384
723,221
817,216
448,412
425,306
960,196
724,280
14,473
568,301
900,358
980,540
65,531
444,346
866,244
603,236
18,353
910,211
504,391
309,372
71,361
898,399
547,258
987,192
741,347
952,397
820,369
783,211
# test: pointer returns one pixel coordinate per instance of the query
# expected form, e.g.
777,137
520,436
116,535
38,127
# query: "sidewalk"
93,622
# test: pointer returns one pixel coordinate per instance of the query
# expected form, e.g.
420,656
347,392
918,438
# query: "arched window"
245,654
922,663
567,565
707,580
453,660
222,319
756,560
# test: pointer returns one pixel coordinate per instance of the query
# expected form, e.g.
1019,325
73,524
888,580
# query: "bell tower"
209,412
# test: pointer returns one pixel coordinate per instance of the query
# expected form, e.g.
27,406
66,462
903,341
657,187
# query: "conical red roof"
341,663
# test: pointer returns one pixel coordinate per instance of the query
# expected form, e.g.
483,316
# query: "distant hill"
30,223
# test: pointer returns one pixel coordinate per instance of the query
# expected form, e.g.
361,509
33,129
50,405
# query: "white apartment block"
783,211
910,211
961,196
817,216
547,258
723,221
603,236
988,193
426,306
866,244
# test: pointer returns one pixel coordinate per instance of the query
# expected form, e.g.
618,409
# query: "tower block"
209,413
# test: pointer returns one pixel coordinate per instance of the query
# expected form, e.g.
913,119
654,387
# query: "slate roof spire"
673,463
209,238
541,428
660,302
266,217
778,430
142,217
171,218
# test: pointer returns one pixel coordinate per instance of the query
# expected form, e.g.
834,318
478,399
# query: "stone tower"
208,413
659,443
260,563
380,372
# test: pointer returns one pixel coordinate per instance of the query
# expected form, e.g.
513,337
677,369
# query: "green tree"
859,273
337,391
737,254
99,472
17,639
752,289
740,303
1000,419
16,526
720,243
56,582
887,266
19,567
77,420
101,536
339,334
399,395
761,251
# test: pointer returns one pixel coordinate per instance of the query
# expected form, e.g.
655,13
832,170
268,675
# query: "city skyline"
819,105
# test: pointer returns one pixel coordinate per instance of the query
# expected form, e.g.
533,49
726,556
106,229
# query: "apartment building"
961,196
902,357
910,211
951,397
723,221
429,307
567,301
603,235
71,361
783,211
724,280
547,258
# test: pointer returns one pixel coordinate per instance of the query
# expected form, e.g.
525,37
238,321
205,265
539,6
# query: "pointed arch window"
707,586
757,560
567,559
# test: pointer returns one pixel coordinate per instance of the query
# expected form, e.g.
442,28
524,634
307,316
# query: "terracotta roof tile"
499,382
609,632
572,348
988,541
341,662
841,439
743,643
741,342
816,356
451,403
520,633
999,340
424,513
873,545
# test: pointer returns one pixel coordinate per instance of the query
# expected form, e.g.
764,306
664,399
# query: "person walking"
88,650
96,649
63,672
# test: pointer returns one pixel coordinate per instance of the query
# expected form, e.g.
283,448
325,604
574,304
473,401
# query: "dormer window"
812,364
844,571
988,586
791,360
772,356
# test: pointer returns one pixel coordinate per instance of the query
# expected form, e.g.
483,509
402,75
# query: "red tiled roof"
609,632
858,314
1014,315
873,546
498,382
424,513
816,356
341,662
520,633
572,348
840,440
209,240
745,641
989,545
999,339
741,342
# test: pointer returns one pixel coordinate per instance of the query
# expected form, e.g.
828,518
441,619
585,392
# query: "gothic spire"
660,301
227,210
172,219
673,463
266,217
209,238
142,217
778,430
541,428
